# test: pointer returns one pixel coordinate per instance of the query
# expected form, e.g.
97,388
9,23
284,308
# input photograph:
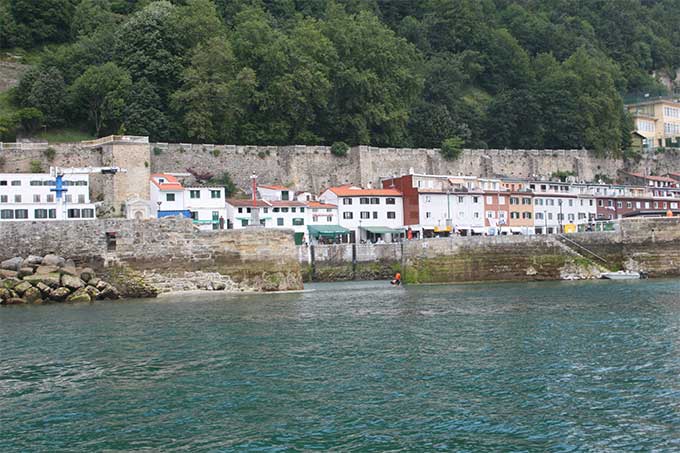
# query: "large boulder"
110,292
10,283
53,260
87,274
5,294
14,301
33,296
22,287
44,289
69,270
24,271
33,260
79,296
51,280
43,269
71,282
4,273
12,264
93,292
60,294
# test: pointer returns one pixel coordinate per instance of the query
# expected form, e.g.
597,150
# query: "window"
6,214
619,204
364,200
215,194
375,200
610,203
571,202
390,215
88,213
375,214
52,213
194,194
346,201
550,216
240,210
539,216
428,215
329,219
560,217
365,215
265,210
656,205
284,209
36,198
674,205
302,209
629,204
514,200
17,198
74,213
570,217
347,215
460,199
279,221
292,209
3,183
501,200
50,198
284,195
489,200
428,198
244,222
599,203
514,215
3,198
475,199
21,213
40,213
169,197
16,183
81,199
526,201
476,215
276,209
298,222
526,215
390,201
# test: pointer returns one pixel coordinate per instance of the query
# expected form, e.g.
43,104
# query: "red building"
610,208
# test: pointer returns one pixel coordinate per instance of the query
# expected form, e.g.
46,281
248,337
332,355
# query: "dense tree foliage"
500,73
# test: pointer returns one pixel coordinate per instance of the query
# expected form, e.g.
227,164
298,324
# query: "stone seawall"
314,167
258,259
649,245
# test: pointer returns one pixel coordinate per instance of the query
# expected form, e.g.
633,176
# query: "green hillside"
497,73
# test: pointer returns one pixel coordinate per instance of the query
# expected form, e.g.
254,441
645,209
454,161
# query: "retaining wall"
649,245
263,259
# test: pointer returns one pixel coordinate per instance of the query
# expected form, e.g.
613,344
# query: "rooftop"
170,182
352,191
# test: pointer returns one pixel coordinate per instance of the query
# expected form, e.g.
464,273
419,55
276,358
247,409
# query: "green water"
350,367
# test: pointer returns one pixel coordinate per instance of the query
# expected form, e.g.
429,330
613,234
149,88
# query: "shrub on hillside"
339,149
451,148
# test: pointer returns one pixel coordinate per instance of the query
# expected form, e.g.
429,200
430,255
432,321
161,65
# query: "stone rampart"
261,259
649,245
314,167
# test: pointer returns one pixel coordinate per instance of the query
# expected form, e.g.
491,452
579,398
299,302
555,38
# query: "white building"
204,205
372,214
28,196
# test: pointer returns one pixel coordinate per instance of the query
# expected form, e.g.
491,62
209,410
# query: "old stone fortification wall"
314,167
262,259
650,245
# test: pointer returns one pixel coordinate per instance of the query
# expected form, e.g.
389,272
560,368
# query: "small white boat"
621,275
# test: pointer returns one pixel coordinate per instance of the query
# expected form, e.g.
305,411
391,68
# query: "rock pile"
193,281
38,279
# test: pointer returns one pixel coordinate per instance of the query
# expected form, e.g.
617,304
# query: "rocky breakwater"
52,278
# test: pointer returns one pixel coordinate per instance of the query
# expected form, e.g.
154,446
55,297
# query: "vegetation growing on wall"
498,73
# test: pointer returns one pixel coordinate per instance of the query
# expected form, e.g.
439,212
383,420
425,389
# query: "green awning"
331,231
383,230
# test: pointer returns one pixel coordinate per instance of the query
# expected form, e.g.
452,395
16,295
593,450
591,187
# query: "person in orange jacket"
397,279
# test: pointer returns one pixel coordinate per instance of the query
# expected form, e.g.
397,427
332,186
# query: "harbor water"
361,366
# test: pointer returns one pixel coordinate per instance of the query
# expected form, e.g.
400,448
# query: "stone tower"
127,152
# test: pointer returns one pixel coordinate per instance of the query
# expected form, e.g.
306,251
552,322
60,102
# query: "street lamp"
158,213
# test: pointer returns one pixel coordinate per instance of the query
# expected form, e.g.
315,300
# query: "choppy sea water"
572,366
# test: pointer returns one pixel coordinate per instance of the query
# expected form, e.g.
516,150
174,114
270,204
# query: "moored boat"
621,275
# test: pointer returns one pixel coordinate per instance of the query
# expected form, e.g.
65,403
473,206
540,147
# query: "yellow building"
658,121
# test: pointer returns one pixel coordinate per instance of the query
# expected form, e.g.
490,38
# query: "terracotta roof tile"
171,184
350,191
